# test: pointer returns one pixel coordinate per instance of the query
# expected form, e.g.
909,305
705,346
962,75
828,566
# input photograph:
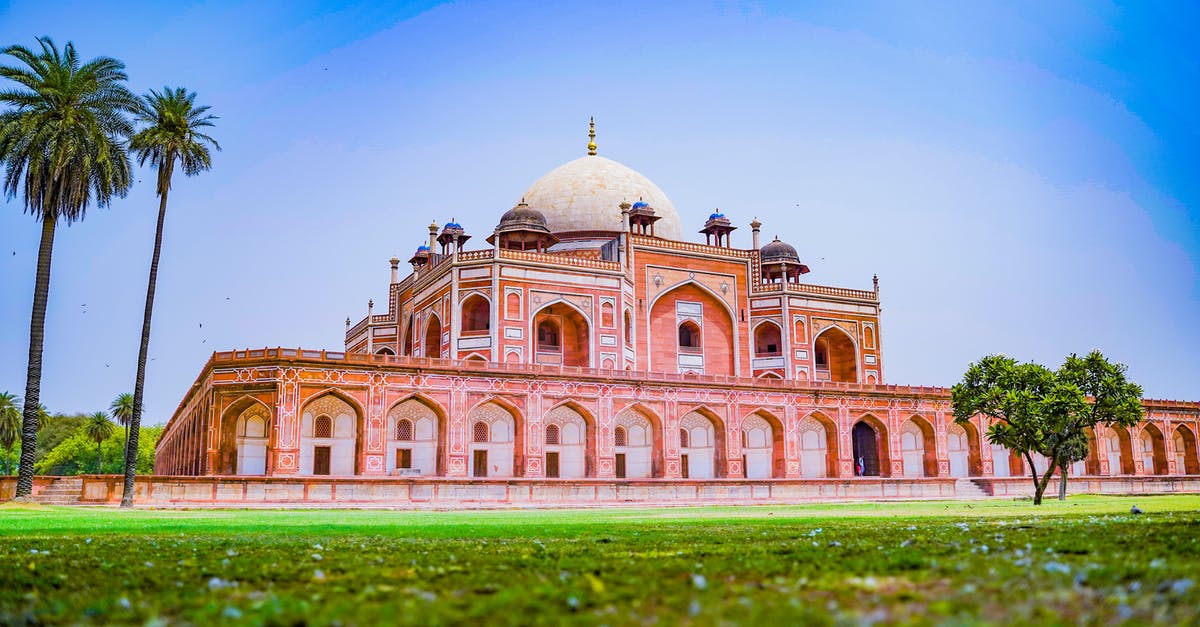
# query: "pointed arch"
694,302
341,453
586,444
1153,450
818,446
869,439
432,346
918,447
768,339
572,346
762,451
1186,461
963,447
476,314
503,454
427,448
232,441
407,346
1120,451
643,449
707,445
836,355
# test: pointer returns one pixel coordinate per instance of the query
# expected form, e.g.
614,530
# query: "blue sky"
1020,175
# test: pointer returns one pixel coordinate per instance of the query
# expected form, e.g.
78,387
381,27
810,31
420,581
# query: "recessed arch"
502,455
643,449
241,451
1153,450
704,457
762,445
576,446
407,349
574,328
476,314
768,339
340,454
386,351
918,447
433,337
869,438
1119,446
693,301
427,446
963,448
818,446
1186,461
836,356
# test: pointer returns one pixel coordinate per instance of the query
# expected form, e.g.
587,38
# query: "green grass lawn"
1085,561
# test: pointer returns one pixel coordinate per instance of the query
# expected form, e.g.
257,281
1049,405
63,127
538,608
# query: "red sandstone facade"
587,340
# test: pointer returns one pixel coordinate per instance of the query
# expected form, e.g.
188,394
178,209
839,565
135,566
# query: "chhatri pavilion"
584,335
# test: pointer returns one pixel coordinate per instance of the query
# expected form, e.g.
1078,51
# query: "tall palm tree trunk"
99,459
33,377
135,421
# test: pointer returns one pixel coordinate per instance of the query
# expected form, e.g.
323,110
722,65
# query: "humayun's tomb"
589,353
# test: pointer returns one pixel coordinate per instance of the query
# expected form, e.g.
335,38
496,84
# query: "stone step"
967,488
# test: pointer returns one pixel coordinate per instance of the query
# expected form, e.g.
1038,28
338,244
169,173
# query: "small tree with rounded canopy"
99,428
172,136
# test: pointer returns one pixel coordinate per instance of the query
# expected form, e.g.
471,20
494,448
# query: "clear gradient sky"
1022,176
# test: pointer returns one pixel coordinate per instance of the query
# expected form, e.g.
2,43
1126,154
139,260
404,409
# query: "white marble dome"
586,194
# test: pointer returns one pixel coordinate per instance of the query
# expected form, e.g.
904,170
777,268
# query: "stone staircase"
969,489
64,491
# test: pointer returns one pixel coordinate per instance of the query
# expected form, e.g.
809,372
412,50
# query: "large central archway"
691,331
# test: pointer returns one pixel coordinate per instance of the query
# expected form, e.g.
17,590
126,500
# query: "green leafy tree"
99,428
1024,401
122,410
1111,399
77,454
10,426
172,136
62,138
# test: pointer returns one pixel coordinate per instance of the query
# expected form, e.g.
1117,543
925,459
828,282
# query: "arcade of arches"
501,436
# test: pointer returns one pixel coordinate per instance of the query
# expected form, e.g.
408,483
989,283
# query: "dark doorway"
552,464
320,460
683,466
866,448
480,463
403,458
620,465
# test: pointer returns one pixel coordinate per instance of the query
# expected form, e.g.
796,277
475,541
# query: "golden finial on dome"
591,135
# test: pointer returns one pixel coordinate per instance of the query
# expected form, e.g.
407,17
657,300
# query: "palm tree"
99,428
172,136
10,426
61,142
122,410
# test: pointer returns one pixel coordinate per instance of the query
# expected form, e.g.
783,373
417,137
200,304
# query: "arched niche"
333,450
702,445
495,440
836,356
918,448
416,428
640,455
433,337
1186,461
561,335
476,315
569,442
818,446
869,440
762,446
